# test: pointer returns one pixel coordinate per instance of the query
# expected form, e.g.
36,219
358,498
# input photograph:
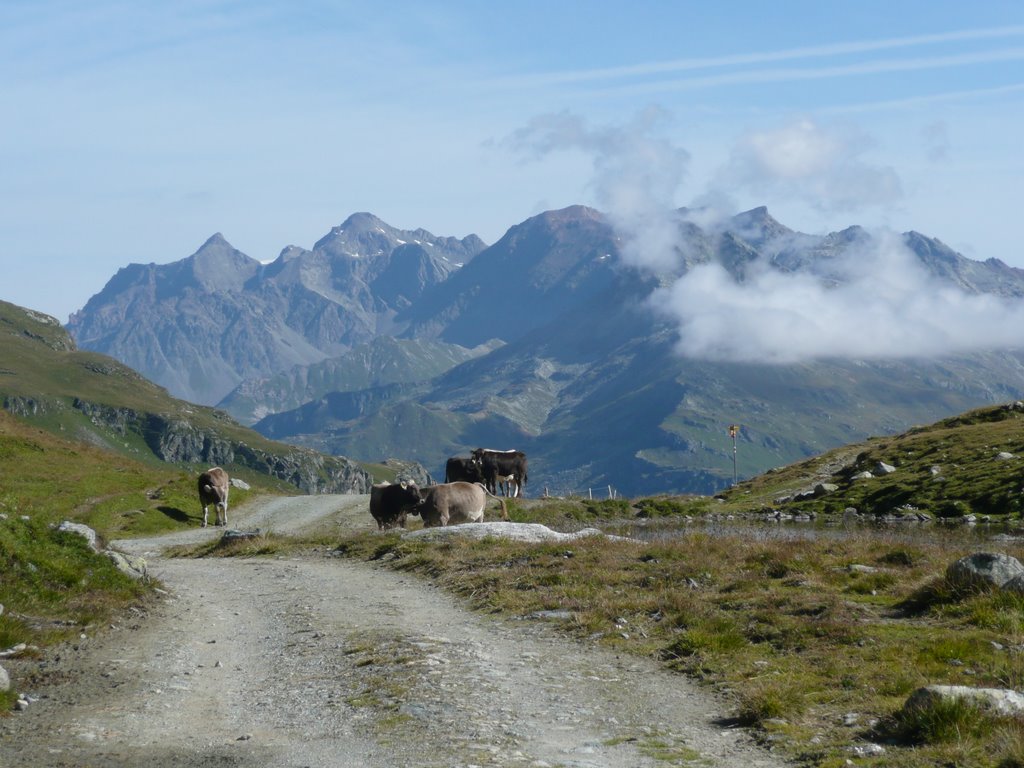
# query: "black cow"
467,470
389,503
502,468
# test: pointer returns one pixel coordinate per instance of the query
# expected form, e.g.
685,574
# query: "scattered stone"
14,650
823,489
858,568
884,469
867,750
84,531
5,680
240,484
993,568
553,615
1004,455
233,534
131,565
21,704
935,469
865,475
999,700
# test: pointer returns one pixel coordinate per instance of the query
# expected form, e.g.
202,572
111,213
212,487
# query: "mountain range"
381,342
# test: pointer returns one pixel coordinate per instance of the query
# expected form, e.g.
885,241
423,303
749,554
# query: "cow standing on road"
506,469
213,489
389,503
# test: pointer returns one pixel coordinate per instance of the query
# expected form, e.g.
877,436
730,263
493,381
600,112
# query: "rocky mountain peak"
219,266
758,227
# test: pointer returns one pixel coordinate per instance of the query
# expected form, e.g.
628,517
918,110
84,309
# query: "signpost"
734,429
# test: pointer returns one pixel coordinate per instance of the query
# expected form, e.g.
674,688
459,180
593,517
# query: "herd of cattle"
460,499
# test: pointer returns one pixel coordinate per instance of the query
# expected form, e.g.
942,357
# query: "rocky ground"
318,661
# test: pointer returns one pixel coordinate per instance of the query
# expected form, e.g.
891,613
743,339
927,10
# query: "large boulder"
984,568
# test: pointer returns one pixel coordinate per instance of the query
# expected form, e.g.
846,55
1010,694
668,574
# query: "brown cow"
213,489
390,503
454,503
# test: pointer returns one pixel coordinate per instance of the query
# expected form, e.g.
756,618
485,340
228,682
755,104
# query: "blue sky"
132,131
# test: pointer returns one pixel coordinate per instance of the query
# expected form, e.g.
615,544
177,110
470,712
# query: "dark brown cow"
389,503
458,468
213,489
454,503
504,469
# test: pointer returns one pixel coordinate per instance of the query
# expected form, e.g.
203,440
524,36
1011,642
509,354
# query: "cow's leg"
205,513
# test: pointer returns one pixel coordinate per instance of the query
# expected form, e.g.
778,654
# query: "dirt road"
321,662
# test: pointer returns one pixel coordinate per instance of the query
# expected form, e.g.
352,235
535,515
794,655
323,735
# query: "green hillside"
92,398
971,464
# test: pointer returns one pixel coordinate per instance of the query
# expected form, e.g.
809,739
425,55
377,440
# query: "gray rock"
233,534
241,484
999,700
131,565
530,532
865,475
5,680
1016,584
84,531
993,568
884,469
1004,455
823,489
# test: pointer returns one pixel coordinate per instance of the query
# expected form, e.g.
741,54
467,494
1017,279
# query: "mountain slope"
95,399
599,396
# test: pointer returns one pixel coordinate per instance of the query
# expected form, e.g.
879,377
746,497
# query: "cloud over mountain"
886,306
876,301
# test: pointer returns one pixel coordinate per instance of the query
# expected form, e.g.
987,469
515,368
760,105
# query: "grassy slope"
38,362
949,469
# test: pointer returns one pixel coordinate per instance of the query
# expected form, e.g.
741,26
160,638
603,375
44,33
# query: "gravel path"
318,661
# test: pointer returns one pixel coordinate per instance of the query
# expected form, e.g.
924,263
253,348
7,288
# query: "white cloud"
873,300
637,172
889,307
821,166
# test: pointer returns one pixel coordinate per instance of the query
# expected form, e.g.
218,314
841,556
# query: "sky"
130,132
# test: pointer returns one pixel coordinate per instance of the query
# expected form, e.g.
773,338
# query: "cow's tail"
504,509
